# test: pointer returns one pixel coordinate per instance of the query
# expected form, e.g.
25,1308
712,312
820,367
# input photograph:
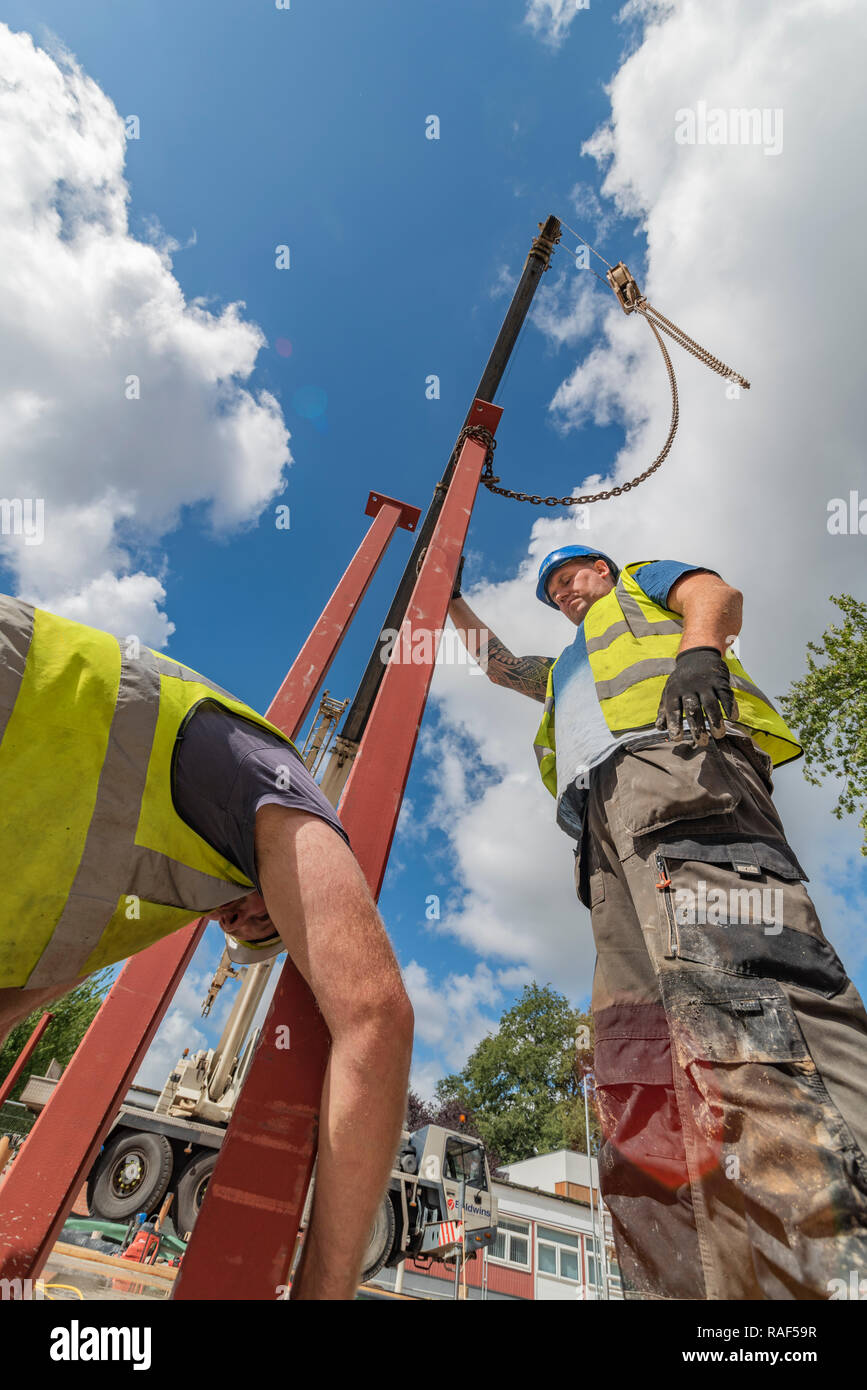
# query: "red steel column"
38,1194
40,1190
372,797
293,700
24,1056
248,1222
246,1228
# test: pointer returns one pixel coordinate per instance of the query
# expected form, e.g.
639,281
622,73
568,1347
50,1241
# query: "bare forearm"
712,624
319,900
712,611
526,674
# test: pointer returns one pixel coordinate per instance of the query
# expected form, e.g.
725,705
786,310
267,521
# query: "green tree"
522,1084
827,709
73,1015
418,1112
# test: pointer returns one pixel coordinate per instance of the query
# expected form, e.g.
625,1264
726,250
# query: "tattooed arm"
527,674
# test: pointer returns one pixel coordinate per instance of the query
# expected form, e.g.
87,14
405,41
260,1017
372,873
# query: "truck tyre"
381,1241
191,1190
132,1174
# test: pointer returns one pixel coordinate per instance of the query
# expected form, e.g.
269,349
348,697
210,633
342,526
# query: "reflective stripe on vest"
97,862
632,643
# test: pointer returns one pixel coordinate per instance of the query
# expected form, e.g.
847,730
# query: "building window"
465,1162
594,1272
512,1246
593,1276
557,1253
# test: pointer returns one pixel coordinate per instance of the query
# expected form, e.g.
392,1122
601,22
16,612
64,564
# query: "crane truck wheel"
132,1174
191,1190
381,1241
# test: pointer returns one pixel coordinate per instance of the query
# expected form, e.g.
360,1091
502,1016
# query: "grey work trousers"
731,1046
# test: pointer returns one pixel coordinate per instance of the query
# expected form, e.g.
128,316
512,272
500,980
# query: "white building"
548,1242
548,1229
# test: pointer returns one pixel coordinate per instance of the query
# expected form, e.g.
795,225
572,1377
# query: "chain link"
655,322
484,436
489,480
684,340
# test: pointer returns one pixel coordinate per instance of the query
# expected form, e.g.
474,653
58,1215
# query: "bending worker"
730,1043
136,795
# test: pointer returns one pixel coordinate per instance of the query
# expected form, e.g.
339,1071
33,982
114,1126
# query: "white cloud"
550,19
454,1013
504,283
84,307
567,310
591,212
423,1079
181,1027
407,824
734,255
126,604
449,1013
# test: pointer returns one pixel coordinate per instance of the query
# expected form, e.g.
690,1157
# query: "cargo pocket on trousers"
660,785
764,1101
733,1106
714,1020
730,915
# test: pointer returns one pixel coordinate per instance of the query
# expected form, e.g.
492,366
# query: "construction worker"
730,1043
137,795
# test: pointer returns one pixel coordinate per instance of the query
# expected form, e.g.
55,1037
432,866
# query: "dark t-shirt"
225,768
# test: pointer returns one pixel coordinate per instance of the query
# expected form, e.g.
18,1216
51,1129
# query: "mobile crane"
439,1198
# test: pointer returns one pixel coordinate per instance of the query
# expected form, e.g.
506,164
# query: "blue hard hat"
559,557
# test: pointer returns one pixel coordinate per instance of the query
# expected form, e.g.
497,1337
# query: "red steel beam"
246,1228
293,700
40,1191
372,797
59,1151
24,1056
248,1222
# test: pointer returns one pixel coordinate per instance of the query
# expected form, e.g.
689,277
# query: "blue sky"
306,127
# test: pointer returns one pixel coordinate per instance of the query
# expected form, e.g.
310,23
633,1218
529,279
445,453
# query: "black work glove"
701,681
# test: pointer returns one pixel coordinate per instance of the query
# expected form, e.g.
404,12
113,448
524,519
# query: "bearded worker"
135,795
731,1046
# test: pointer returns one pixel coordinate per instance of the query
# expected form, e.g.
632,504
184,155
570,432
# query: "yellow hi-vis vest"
96,862
631,646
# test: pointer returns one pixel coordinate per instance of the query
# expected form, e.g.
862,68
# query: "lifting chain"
631,301
484,436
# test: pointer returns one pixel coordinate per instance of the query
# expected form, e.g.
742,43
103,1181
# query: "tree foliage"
827,709
521,1086
73,1014
449,1114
